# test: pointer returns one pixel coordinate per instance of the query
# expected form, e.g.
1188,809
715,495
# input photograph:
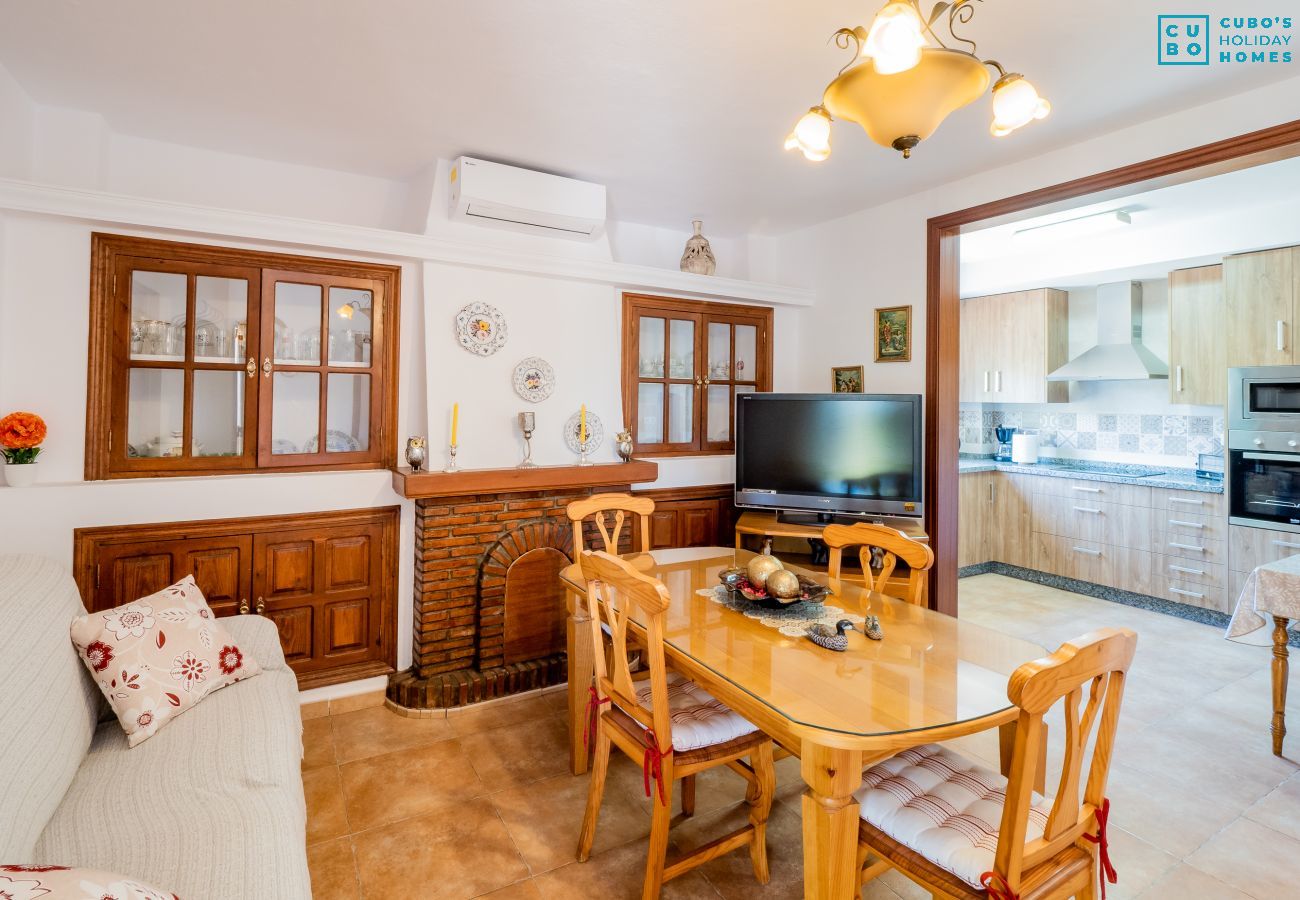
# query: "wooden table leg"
1280,667
577,633
830,822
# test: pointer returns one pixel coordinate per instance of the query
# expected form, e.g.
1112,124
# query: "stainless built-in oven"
1264,447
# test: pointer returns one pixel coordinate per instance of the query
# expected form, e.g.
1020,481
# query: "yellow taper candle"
455,421
582,427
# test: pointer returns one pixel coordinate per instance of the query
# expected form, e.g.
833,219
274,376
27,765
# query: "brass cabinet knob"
243,606
261,606
251,367
266,366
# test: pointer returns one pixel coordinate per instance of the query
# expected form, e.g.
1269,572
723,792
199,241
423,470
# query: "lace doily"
792,621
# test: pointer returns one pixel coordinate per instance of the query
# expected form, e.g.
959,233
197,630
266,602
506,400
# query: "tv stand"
776,525
820,520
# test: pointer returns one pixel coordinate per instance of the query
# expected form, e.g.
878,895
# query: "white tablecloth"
1271,590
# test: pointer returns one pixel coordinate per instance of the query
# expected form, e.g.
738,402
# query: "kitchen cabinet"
975,500
1260,298
1198,350
1009,345
327,580
689,517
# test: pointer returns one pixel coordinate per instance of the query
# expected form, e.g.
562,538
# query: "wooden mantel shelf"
418,485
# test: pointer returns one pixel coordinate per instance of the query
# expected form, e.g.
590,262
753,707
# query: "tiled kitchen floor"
481,805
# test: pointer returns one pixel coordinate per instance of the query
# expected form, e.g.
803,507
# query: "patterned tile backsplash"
1173,435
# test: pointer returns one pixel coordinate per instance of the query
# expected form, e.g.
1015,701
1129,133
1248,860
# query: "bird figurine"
415,453
836,640
871,628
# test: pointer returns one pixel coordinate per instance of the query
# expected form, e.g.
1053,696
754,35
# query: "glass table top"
930,670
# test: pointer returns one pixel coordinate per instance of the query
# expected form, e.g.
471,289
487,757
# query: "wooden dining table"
931,678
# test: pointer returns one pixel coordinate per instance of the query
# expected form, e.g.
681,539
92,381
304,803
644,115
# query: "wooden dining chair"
666,723
960,830
894,546
600,517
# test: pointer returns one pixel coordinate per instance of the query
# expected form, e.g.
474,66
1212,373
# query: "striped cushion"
943,806
699,719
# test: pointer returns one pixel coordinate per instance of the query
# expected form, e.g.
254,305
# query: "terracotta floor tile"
518,754
460,852
382,789
732,875
544,819
520,890
1182,882
617,874
498,713
315,710
333,871
378,730
326,816
369,700
317,743
1246,855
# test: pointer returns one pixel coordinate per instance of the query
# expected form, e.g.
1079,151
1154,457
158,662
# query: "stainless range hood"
1119,354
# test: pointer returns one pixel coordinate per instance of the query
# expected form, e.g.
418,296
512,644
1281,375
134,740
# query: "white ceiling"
679,107
1190,224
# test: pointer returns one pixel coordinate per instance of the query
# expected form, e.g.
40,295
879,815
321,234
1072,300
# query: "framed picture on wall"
894,334
846,379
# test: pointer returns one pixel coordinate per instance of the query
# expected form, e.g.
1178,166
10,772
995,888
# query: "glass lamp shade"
910,104
895,40
1015,104
812,135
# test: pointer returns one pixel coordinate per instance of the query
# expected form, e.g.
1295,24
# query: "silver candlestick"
528,424
451,459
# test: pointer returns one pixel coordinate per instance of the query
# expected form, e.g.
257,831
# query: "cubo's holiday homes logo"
1228,40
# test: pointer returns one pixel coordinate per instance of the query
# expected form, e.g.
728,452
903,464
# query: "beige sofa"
210,807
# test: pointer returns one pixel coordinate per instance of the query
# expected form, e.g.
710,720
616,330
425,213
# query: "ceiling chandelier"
900,87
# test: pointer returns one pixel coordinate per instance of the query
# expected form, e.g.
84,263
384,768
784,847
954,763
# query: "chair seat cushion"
944,807
699,719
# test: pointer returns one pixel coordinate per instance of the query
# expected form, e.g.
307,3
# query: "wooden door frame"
943,317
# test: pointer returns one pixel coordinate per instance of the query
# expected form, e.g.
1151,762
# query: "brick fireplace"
489,610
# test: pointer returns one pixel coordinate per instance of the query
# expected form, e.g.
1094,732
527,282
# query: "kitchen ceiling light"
900,87
1093,223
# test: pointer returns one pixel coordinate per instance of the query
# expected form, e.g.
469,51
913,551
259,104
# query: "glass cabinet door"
319,386
732,354
667,381
189,386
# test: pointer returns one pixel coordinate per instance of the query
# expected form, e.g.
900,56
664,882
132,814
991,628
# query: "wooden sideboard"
328,580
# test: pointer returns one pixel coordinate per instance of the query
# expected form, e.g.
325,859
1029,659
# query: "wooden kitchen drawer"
1194,548
1193,594
1089,519
1102,491
1074,558
1194,571
1177,522
1251,547
1200,503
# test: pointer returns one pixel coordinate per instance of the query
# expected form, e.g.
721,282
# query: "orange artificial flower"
21,431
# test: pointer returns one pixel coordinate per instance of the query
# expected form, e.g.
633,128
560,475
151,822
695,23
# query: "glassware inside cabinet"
681,349
158,301
651,351
650,414
719,351
155,414
221,311
297,313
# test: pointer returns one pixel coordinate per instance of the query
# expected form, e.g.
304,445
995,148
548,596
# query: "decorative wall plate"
481,329
335,442
595,432
534,379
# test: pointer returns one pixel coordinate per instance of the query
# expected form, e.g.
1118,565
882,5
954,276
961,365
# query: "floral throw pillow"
158,656
63,883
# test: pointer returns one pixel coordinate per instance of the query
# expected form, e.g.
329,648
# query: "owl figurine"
824,636
415,454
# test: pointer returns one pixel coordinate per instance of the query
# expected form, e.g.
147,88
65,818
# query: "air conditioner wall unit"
489,193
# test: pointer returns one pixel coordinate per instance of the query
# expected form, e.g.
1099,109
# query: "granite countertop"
1084,470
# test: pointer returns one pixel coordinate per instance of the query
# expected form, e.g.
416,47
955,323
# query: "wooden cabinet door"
697,524
221,566
1011,528
1198,352
975,503
1032,340
978,332
320,586
1258,292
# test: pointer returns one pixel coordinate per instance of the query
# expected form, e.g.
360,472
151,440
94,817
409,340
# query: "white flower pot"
20,475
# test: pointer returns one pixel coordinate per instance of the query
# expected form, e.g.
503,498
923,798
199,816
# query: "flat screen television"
832,454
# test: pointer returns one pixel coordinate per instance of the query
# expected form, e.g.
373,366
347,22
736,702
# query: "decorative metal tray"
736,581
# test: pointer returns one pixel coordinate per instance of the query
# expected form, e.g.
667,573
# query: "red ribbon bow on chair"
997,887
594,700
652,763
1107,870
